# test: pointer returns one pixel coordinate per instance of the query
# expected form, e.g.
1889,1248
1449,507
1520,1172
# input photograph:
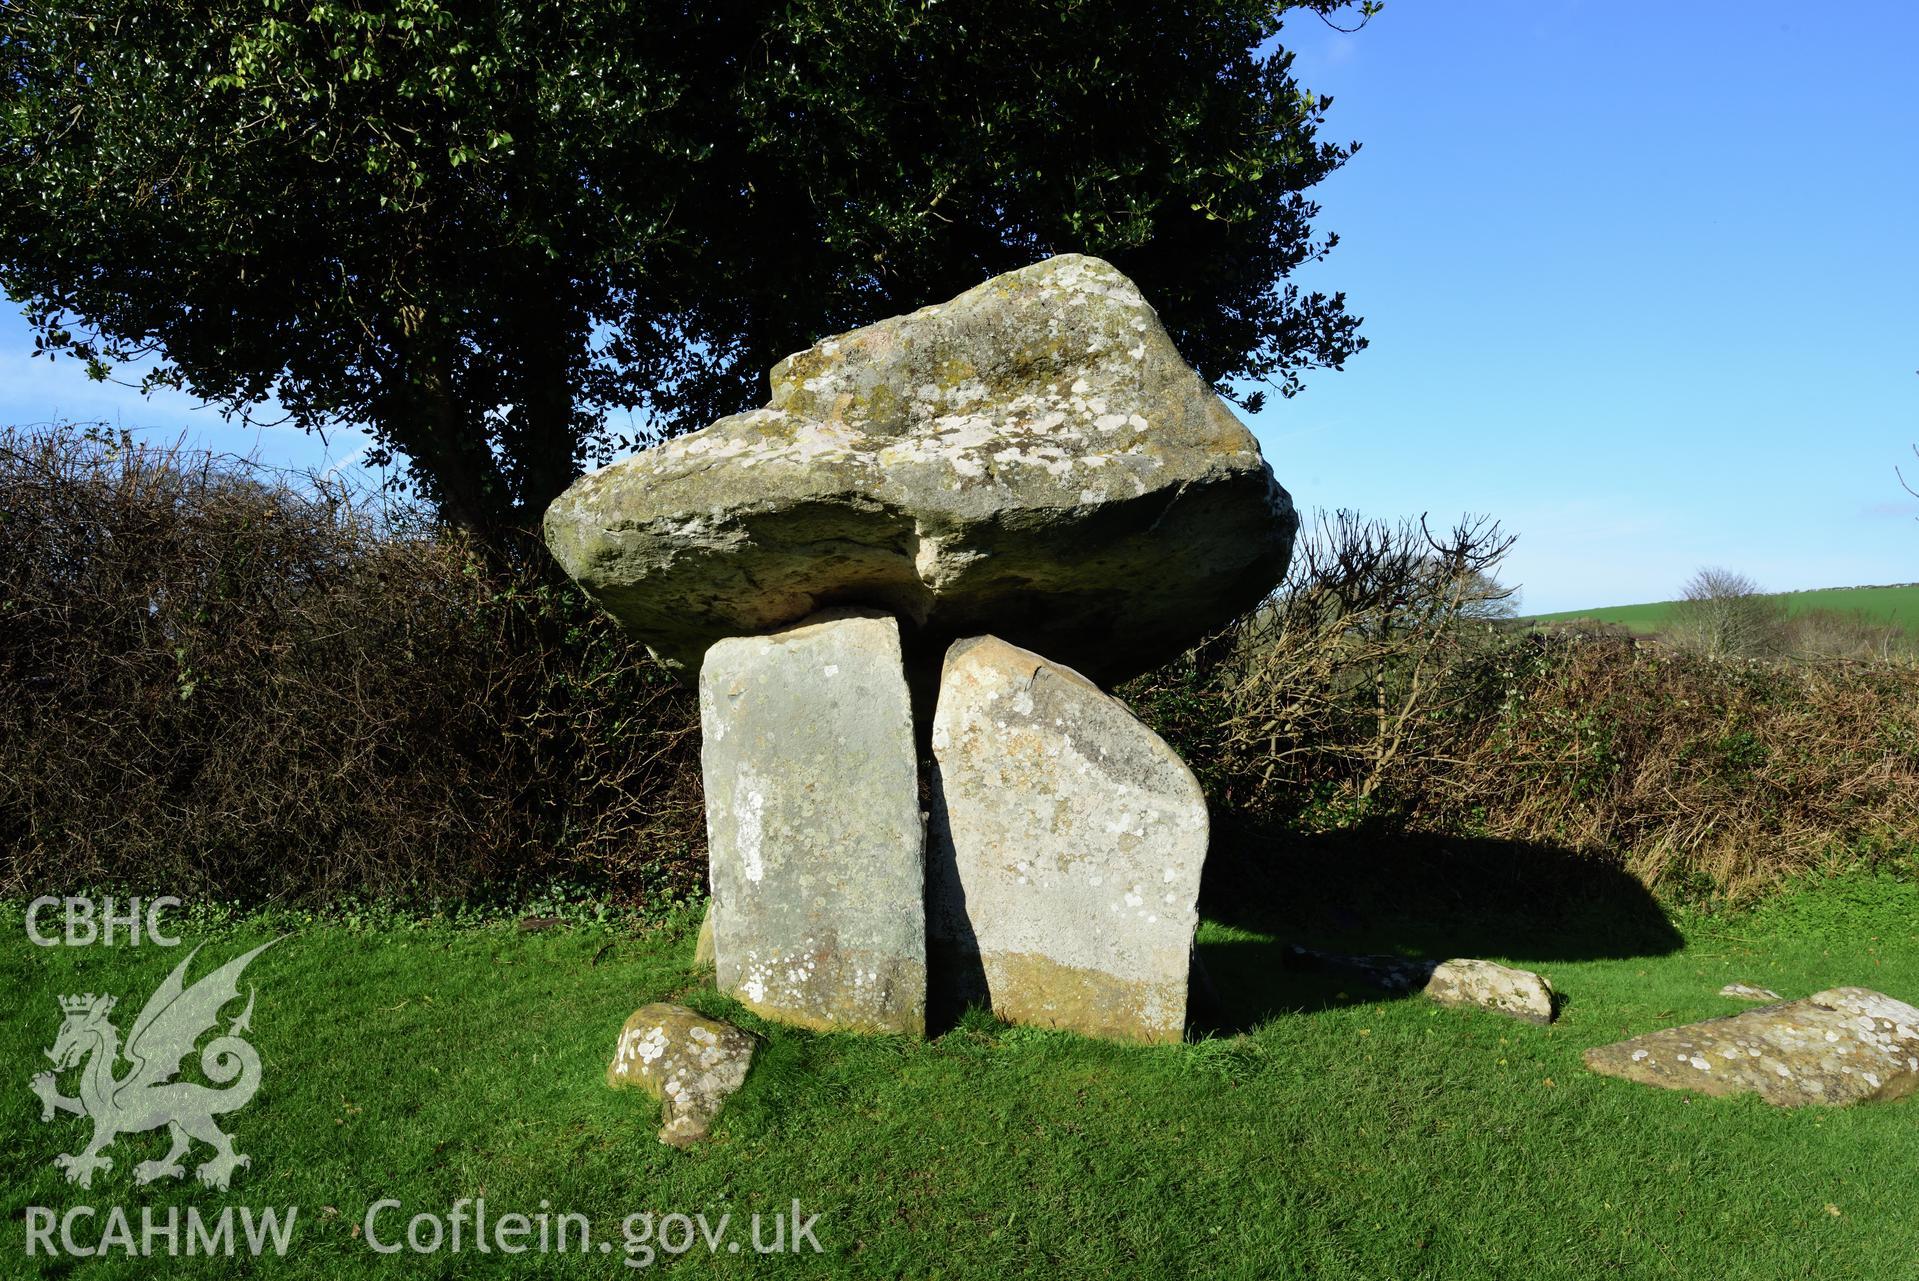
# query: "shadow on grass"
1397,894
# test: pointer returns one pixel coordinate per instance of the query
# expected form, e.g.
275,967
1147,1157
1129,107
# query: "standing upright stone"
1066,850
813,824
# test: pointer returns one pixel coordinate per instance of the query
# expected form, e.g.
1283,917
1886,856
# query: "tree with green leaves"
477,229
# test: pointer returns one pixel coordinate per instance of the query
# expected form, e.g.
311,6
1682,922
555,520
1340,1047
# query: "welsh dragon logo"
147,1096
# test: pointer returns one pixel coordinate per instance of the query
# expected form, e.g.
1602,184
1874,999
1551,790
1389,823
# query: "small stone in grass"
691,1063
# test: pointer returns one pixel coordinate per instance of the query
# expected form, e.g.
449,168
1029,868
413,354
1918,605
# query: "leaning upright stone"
1066,850
813,824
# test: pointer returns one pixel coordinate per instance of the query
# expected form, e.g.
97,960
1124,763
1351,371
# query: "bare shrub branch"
1724,614
1330,682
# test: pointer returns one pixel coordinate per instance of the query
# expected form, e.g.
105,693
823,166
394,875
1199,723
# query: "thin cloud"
1907,508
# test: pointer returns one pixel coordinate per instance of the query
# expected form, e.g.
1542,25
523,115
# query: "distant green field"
1898,604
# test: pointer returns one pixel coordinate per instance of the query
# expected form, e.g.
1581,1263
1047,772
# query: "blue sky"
1641,280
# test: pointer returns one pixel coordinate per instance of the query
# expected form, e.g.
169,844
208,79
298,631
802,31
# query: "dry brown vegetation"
224,681
1702,775
1374,694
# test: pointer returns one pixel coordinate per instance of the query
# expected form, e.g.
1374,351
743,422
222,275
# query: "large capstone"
1032,458
813,825
1846,1045
1067,842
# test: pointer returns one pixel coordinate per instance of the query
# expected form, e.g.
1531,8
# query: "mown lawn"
1342,1135
1897,604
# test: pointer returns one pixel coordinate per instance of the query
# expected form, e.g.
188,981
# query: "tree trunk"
542,433
445,441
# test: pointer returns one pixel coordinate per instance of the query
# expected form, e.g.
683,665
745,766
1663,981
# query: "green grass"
1343,1135
1877,604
